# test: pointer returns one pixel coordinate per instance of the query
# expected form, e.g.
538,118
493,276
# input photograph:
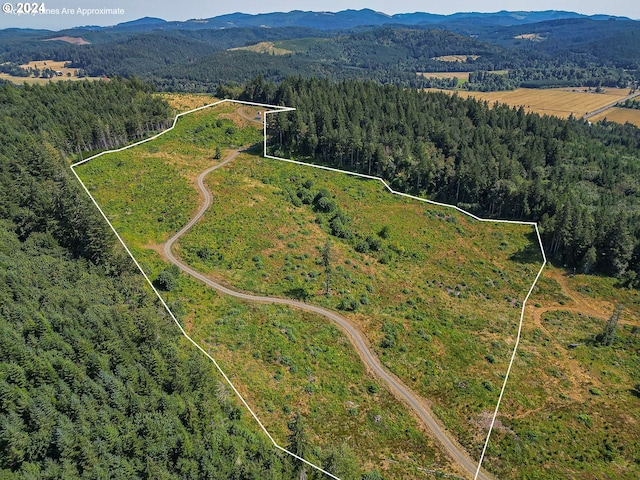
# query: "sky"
61,14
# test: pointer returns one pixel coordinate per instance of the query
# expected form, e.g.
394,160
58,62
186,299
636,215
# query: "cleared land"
534,37
561,102
282,360
68,39
462,76
265,47
571,409
456,58
619,115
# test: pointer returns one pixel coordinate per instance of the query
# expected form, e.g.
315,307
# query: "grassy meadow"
437,294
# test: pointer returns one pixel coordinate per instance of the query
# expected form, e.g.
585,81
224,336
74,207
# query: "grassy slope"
572,412
449,296
567,412
283,360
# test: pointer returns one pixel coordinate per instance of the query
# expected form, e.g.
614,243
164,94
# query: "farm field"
283,361
68,74
619,115
561,102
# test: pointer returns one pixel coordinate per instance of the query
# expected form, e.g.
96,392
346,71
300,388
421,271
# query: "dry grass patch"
619,115
264,47
68,39
533,37
183,102
560,102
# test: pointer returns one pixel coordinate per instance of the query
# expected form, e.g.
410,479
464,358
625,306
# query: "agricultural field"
282,360
561,102
67,73
619,115
461,76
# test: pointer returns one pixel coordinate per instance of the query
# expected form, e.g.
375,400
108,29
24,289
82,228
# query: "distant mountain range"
348,19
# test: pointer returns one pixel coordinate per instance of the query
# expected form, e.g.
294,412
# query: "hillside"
193,55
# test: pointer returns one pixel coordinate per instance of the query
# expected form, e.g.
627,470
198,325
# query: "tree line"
581,182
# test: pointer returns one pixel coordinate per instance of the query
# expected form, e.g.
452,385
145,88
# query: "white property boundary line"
524,303
279,109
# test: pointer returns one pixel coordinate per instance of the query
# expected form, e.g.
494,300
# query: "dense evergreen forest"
581,182
95,380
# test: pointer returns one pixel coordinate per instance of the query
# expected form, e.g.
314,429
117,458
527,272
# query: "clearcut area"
435,294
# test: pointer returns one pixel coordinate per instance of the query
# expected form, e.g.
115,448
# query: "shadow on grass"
530,253
301,294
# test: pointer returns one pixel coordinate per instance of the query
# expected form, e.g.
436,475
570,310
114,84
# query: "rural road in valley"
611,105
357,339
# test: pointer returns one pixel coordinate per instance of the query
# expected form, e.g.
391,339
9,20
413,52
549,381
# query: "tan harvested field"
460,75
264,47
560,102
619,115
456,58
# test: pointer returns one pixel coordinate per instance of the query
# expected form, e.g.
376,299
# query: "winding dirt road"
357,339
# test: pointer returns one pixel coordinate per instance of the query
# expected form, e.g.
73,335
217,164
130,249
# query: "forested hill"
95,379
581,182
194,56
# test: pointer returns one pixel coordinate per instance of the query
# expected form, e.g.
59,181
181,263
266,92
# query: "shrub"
167,279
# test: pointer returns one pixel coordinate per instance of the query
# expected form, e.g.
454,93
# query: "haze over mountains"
354,18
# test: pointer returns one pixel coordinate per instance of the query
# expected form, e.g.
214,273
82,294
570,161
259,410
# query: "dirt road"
357,339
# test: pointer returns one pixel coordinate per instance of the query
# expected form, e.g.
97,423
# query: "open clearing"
570,409
264,47
461,76
619,115
283,360
456,58
68,39
561,102
67,73
533,37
